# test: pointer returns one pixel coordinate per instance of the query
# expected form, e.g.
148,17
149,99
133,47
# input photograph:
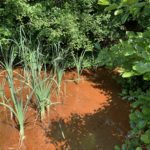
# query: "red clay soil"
92,117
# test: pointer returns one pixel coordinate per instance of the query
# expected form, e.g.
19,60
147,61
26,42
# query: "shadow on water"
98,130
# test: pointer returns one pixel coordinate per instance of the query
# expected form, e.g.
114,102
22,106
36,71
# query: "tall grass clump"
43,91
17,108
36,75
78,60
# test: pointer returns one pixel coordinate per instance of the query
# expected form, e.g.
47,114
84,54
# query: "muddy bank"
92,117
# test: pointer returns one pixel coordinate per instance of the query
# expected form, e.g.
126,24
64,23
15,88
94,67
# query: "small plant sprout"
78,60
59,75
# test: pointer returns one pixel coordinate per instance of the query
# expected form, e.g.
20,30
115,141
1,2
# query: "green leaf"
117,12
133,117
103,2
135,104
146,76
124,147
111,7
141,124
129,51
141,67
128,74
148,147
124,18
117,147
141,4
146,137
130,34
129,2
97,46
146,111
138,148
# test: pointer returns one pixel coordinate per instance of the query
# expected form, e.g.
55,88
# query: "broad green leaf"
128,74
146,137
117,12
129,2
148,147
146,76
141,4
142,67
124,147
130,34
138,148
139,114
124,18
111,7
133,117
117,147
103,2
146,111
129,52
145,55
141,124
146,34
97,46
139,48
135,104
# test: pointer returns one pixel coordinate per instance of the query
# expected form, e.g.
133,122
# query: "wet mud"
92,116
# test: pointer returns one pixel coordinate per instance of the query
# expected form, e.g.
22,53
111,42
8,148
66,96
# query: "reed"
37,78
78,60
18,109
58,63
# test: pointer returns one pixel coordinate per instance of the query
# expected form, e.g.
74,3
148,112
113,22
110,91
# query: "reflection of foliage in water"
86,132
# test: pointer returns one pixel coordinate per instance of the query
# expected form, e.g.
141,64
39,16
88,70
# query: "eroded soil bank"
92,117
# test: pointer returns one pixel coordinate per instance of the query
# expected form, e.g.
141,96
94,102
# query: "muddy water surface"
92,117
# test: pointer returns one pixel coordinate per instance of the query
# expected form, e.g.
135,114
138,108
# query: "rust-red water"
92,117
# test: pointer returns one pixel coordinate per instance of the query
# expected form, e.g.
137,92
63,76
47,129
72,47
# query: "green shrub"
133,55
126,10
76,24
139,135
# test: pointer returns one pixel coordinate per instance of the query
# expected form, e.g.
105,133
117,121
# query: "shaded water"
92,117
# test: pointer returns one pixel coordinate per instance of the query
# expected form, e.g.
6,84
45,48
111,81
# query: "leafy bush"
132,57
76,24
139,136
126,10
140,122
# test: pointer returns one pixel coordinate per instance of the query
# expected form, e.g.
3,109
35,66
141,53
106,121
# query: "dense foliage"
77,25
129,10
132,57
